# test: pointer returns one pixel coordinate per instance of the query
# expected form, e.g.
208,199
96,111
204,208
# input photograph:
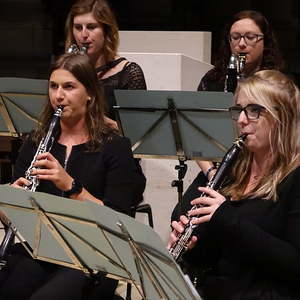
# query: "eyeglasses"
250,38
252,111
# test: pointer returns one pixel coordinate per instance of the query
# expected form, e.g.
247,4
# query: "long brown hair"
80,67
272,58
104,16
281,98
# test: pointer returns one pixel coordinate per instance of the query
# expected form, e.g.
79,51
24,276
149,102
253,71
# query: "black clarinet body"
230,157
44,146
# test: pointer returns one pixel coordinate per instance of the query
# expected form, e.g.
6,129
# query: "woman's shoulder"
290,182
212,81
113,139
133,69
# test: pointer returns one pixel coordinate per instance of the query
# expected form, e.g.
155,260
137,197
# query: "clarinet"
44,146
215,183
234,71
76,50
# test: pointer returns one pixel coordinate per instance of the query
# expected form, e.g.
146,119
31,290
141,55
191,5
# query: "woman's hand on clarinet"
178,227
48,168
20,183
207,205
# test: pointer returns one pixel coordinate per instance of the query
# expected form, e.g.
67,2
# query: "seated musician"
247,243
88,160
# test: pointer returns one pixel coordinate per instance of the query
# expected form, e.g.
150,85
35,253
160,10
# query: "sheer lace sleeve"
133,78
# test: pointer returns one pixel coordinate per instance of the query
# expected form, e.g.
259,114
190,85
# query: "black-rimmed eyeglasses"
252,111
250,38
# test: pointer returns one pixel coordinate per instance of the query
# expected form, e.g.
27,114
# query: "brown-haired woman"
92,24
88,160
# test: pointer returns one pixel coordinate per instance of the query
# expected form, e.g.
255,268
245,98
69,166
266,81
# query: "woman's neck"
250,70
261,164
73,133
98,60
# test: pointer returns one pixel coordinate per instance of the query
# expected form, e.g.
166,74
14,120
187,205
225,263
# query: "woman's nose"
242,118
84,33
242,42
59,94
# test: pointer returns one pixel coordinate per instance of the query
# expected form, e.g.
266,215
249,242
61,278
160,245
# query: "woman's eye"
52,85
69,86
254,109
77,27
250,37
91,26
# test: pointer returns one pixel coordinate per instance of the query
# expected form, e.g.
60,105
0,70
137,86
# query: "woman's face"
258,131
66,90
88,32
254,51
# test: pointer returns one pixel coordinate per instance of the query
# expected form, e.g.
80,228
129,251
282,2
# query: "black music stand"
95,239
21,101
176,124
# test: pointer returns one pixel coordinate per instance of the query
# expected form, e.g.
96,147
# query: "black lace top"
212,81
131,77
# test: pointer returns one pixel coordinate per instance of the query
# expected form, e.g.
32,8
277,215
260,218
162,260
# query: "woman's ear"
90,100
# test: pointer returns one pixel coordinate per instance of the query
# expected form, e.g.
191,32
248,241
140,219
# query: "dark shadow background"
32,31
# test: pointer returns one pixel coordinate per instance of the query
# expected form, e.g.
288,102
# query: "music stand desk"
176,124
94,238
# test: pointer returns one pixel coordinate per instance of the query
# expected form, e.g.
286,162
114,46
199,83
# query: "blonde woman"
248,242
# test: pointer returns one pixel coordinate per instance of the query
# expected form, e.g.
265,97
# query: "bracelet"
209,170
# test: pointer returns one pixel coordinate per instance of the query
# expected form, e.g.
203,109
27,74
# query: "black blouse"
131,77
251,248
110,174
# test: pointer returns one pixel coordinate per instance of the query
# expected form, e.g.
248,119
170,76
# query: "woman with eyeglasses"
248,32
247,244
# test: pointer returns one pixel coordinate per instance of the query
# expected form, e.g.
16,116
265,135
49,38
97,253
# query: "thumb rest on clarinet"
215,183
45,145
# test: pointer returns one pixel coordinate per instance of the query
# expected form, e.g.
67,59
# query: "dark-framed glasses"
252,111
250,38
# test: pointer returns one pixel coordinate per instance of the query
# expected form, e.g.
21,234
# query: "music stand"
21,101
94,238
176,124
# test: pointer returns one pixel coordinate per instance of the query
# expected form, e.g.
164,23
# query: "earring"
90,100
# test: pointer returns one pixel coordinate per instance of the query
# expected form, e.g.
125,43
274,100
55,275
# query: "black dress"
131,77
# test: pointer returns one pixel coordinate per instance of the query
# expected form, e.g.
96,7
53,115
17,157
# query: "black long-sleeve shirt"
252,247
111,174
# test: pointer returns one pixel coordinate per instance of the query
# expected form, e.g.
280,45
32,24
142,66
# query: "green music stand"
94,238
176,124
21,101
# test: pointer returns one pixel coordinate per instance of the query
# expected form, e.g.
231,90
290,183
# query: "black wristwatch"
75,189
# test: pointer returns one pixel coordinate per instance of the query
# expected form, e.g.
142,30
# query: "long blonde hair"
104,15
281,98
